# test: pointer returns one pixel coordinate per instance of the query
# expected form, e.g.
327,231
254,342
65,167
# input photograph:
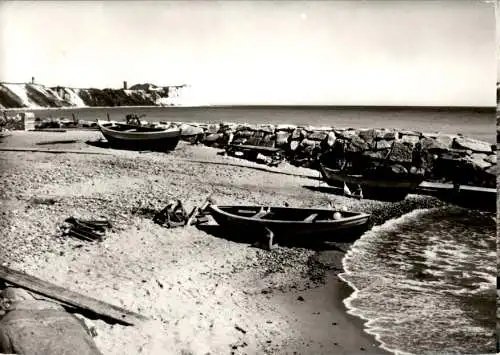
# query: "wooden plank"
439,186
70,298
55,151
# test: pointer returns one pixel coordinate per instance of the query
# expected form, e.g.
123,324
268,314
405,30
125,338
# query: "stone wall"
438,157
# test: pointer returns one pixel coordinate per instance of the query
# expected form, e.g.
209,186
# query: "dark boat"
138,137
473,197
387,189
286,223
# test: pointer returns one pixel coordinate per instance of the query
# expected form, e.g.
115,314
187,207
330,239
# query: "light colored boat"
136,137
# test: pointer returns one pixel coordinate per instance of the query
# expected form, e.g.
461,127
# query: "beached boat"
394,189
137,137
287,223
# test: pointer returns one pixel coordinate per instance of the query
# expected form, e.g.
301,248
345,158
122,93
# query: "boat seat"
260,214
311,218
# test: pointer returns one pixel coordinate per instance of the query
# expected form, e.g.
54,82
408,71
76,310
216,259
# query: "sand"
204,294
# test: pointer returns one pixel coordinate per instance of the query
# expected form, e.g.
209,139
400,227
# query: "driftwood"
90,230
70,298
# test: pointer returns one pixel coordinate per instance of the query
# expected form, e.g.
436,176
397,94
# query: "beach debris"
87,230
197,213
240,329
300,298
71,299
172,216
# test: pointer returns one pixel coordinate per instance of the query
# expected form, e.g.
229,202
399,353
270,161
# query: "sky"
417,53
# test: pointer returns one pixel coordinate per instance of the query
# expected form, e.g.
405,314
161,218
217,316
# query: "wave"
426,281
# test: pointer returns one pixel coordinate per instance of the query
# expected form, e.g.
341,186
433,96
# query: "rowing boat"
288,223
135,137
378,189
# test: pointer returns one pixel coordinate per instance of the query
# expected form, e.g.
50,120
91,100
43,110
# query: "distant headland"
33,95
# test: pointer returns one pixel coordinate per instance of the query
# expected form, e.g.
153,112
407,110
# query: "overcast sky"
262,52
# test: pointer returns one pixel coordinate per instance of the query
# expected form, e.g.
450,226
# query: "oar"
197,210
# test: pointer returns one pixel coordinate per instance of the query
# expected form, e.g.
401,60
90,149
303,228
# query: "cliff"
32,96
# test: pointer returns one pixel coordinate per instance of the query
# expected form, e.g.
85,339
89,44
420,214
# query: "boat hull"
344,230
384,190
157,140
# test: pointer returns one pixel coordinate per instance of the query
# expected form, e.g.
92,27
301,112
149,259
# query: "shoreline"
291,106
209,284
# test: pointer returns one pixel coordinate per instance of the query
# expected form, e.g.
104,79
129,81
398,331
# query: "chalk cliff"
31,95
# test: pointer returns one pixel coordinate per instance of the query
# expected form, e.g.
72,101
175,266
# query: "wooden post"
107,113
74,118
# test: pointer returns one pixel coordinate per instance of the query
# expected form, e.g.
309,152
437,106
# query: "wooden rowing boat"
289,223
394,189
136,137
474,197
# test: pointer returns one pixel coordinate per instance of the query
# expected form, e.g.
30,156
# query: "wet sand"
203,292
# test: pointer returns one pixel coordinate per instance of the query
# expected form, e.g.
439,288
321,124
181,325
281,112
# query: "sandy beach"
204,293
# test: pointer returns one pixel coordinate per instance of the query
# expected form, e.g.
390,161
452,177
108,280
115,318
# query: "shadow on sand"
99,144
268,170
326,189
255,238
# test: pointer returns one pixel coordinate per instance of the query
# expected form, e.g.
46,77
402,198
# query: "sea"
424,283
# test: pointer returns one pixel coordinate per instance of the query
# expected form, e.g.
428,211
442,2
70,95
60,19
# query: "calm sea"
475,123
425,282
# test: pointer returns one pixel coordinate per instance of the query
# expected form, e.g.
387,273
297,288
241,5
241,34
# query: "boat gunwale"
358,216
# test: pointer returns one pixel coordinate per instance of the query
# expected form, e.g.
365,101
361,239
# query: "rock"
492,158
298,133
492,170
286,127
189,130
382,145
478,160
431,144
346,134
410,140
453,154
368,135
374,155
267,129
268,140
356,144
294,145
317,136
409,133
211,138
471,144
243,134
253,140
307,142
239,140
330,139
401,153
300,298
282,138
388,135
212,128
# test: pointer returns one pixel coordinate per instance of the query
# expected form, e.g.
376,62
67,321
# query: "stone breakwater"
437,157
